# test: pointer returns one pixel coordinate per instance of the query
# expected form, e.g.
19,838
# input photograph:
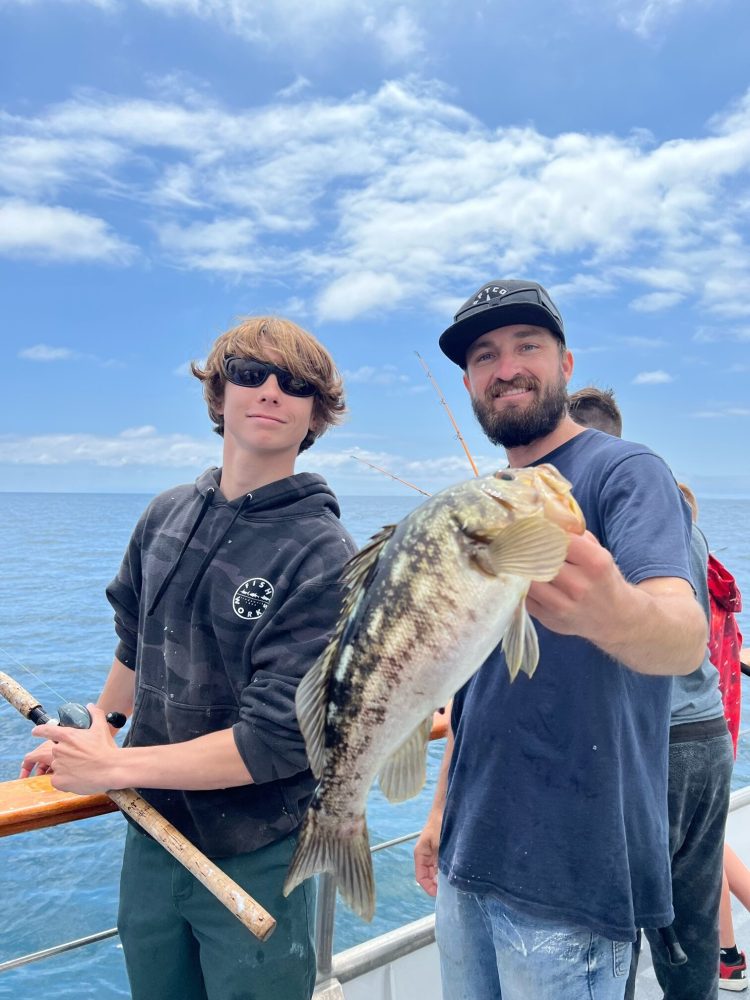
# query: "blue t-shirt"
557,793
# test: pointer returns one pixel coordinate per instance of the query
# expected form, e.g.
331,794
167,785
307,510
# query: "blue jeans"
491,952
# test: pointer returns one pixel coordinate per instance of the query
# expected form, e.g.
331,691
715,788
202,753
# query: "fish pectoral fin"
405,772
311,702
520,643
534,548
347,856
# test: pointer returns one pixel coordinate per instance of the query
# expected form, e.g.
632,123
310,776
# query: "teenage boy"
552,820
225,598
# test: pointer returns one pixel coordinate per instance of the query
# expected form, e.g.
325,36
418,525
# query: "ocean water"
58,884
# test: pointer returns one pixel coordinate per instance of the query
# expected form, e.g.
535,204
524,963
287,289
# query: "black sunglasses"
252,373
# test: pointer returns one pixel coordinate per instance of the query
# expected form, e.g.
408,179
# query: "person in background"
733,962
549,825
700,768
725,645
597,408
227,595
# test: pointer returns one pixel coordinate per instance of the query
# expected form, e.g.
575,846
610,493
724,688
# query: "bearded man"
550,816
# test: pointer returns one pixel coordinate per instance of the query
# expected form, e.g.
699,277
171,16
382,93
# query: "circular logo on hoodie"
252,598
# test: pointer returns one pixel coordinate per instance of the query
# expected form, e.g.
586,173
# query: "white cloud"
43,352
646,17
400,36
380,200
103,4
51,232
727,411
656,301
384,375
442,468
312,26
133,433
46,354
397,29
223,245
33,165
587,285
294,89
136,446
360,292
712,335
642,343
653,378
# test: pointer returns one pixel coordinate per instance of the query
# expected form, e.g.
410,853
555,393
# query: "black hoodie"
221,608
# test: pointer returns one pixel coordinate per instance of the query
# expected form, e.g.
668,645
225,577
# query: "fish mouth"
559,504
549,493
565,512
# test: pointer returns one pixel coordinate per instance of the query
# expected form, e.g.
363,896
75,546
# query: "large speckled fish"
427,602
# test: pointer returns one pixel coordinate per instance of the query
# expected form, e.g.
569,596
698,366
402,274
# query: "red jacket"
725,641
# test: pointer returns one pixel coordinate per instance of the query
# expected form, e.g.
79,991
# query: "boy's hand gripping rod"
249,912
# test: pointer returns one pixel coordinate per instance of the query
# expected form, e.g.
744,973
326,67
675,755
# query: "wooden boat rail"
32,803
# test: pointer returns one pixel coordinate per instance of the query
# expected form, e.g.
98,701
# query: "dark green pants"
180,943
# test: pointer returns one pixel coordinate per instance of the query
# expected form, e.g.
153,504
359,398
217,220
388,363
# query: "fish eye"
507,476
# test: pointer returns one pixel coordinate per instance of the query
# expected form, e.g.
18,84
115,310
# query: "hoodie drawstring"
207,500
213,550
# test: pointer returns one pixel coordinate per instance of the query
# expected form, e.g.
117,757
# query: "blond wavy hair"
293,348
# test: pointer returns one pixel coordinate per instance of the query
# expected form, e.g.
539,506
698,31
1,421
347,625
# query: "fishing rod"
231,895
448,411
392,476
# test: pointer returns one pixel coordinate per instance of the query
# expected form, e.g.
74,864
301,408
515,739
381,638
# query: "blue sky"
167,166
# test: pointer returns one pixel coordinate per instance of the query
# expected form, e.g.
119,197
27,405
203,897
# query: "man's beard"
517,426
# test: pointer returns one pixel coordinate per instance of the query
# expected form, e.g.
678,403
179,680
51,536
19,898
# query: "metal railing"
353,962
325,918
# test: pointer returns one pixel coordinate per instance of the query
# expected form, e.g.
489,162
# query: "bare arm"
654,627
426,848
89,760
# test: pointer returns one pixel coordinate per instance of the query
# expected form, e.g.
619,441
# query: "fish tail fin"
346,855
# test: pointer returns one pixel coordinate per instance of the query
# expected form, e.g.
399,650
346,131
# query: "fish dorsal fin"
405,771
312,694
520,643
534,548
357,572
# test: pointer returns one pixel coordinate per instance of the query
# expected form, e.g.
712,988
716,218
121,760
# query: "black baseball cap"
496,304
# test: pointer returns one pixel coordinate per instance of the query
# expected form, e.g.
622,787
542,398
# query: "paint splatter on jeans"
491,952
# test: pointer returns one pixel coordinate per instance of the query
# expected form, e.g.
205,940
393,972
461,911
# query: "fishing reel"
74,716
77,716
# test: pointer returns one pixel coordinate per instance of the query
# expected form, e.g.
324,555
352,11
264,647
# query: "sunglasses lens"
245,371
252,373
294,386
